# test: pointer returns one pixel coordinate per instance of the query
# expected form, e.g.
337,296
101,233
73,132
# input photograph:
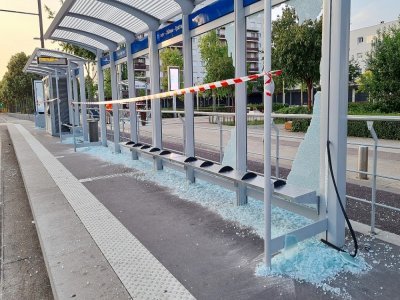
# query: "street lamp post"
39,14
40,23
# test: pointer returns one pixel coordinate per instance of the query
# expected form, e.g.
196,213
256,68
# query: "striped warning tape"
199,88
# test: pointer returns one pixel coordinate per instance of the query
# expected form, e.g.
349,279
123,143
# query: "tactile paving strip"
141,273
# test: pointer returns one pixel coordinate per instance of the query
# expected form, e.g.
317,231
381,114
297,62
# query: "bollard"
363,162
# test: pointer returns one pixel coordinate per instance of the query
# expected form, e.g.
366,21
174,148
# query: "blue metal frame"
249,2
203,16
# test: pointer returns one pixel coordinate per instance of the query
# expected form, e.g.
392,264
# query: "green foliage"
260,107
218,64
383,62
278,106
16,86
107,84
90,88
170,57
365,82
297,109
354,70
300,125
363,108
297,49
384,129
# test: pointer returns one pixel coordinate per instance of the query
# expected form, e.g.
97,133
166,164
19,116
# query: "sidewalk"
209,257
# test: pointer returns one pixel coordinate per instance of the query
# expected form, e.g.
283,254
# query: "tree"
382,82
16,86
170,57
354,70
107,84
297,49
217,63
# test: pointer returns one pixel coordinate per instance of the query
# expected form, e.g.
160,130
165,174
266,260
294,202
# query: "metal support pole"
47,107
69,92
156,119
276,149
370,125
73,126
268,188
174,105
102,108
83,100
132,92
115,107
197,101
240,99
76,99
334,100
58,106
183,130
188,82
59,119
221,141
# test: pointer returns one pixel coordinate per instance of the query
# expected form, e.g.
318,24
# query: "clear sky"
17,31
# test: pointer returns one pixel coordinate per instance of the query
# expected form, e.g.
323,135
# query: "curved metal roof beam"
42,67
43,70
79,44
62,53
109,43
186,5
38,72
128,35
152,22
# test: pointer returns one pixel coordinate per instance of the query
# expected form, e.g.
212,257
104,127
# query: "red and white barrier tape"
199,88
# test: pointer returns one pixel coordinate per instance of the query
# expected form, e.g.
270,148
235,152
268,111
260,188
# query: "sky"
17,31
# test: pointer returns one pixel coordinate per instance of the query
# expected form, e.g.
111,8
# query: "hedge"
384,129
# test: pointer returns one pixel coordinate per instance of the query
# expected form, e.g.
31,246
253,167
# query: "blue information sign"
140,45
105,60
119,54
168,32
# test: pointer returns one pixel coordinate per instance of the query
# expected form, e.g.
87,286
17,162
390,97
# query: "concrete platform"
210,257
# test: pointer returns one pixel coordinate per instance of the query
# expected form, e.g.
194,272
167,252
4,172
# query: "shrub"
300,125
293,110
384,129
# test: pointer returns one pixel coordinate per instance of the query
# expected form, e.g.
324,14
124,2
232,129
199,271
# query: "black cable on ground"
353,235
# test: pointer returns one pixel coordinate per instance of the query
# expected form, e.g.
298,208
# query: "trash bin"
93,130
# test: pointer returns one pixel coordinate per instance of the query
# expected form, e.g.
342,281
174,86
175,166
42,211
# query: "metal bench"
297,199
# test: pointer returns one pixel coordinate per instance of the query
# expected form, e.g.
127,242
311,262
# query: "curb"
76,267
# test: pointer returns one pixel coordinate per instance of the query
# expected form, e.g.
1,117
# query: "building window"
360,40
359,55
